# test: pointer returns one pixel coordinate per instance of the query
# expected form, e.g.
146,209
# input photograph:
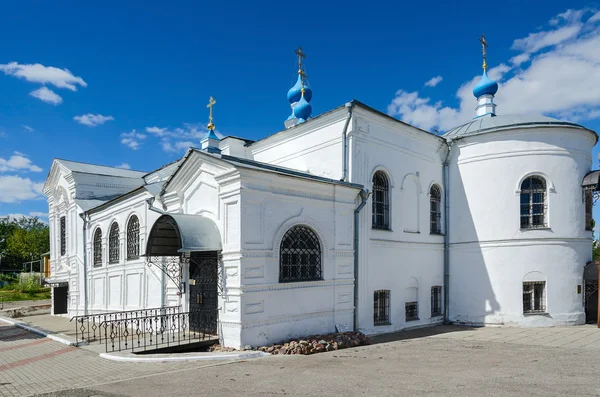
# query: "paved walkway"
31,364
581,337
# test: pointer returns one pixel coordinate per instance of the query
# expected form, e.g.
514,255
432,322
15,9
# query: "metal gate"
203,291
591,301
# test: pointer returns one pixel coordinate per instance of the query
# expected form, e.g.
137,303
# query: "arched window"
300,255
435,197
381,201
533,202
133,238
113,243
98,248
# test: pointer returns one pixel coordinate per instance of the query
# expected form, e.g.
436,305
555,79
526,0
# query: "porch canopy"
174,234
591,180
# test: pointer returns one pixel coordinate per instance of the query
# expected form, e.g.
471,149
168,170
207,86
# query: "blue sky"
118,83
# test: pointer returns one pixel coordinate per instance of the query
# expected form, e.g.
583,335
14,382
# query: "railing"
156,331
88,328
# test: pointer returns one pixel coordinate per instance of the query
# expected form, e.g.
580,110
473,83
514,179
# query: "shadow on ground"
418,333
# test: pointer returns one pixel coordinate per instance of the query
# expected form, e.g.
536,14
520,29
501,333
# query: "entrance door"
60,300
591,301
204,296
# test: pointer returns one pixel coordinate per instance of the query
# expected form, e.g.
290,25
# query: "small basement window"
412,311
381,307
534,297
436,301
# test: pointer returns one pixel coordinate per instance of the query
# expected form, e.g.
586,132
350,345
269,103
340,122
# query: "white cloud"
47,95
434,81
28,128
558,81
92,120
594,18
125,166
18,162
14,189
39,214
132,139
180,139
37,73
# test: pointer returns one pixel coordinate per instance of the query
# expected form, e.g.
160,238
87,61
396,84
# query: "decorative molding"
254,307
342,253
299,220
344,297
254,272
234,255
346,282
294,318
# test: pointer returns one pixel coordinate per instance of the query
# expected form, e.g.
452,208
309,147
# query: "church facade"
351,219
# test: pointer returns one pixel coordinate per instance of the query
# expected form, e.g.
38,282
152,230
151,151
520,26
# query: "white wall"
490,255
407,254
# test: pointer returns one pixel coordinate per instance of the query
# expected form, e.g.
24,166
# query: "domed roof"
302,110
485,124
295,92
486,86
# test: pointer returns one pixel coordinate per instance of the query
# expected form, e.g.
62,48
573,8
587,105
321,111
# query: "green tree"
27,240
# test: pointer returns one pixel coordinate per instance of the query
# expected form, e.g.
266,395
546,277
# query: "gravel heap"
311,345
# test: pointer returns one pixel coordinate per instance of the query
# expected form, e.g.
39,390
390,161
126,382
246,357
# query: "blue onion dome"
486,86
295,92
303,109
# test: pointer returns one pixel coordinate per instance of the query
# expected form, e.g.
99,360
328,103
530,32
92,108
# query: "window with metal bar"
436,301
300,255
63,236
98,248
533,203
412,311
381,307
381,201
133,238
113,243
589,205
435,197
534,297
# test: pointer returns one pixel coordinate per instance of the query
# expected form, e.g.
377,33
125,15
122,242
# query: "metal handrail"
87,326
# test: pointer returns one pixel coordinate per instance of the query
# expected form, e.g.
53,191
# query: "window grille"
436,209
300,255
412,311
381,201
133,238
533,203
589,205
98,248
113,243
534,297
63,236
436,301
381,307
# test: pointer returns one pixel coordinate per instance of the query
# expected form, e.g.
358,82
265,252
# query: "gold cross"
210,105
301,57
484,46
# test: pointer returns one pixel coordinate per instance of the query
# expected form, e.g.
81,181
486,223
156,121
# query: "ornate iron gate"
591,301
203,291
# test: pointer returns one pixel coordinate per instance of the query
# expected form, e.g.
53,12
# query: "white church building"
351,218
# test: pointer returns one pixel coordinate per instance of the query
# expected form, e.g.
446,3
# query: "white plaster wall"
271,311
313,147
490,254
392,259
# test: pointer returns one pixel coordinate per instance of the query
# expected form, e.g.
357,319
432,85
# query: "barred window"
133,238
436,301
435,197
534,297
98,248
381,201
412,311
381,307
300,255
589,205
533,202
63,236
113,243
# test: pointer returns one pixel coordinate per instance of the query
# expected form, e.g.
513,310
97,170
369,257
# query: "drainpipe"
349,107
447,235
85,280
364,195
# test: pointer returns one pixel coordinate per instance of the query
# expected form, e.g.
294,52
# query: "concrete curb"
159,358
55,337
